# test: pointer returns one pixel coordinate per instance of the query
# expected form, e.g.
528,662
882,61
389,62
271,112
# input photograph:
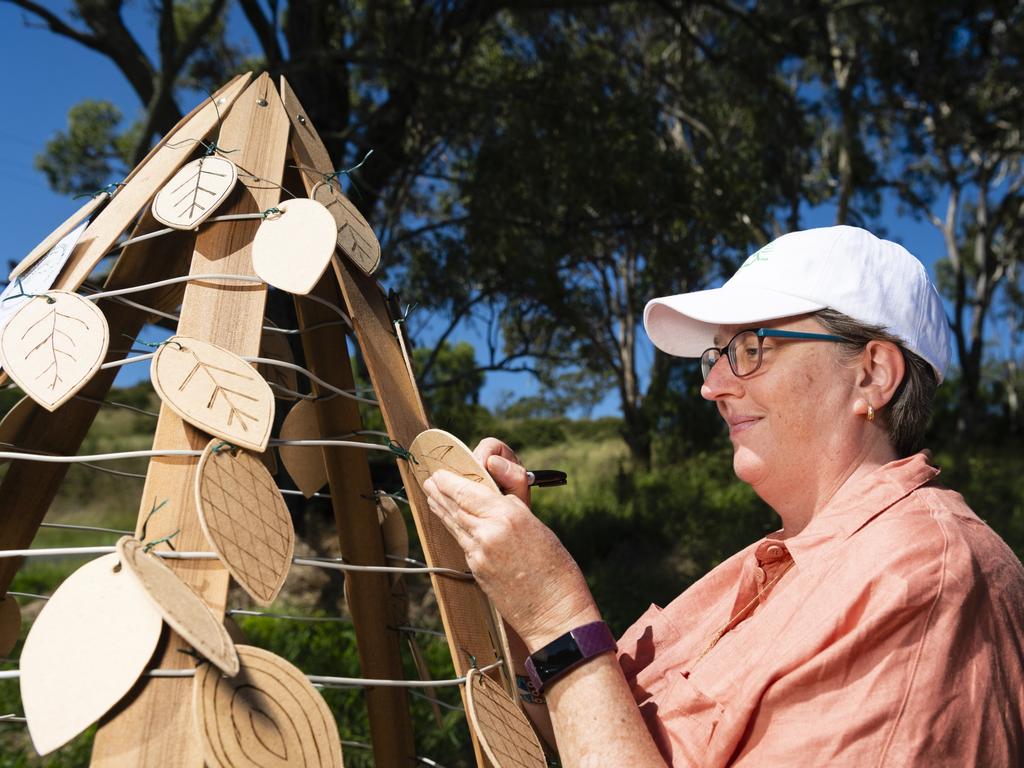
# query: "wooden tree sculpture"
208,231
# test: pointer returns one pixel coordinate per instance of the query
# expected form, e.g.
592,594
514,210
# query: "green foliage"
90,153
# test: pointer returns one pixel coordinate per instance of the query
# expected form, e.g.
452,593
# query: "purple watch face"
568,651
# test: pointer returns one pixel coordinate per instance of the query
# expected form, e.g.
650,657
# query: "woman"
881,625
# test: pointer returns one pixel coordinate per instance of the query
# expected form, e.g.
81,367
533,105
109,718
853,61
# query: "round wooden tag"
181,608
292,249
267,716
195,192
85,651
355,237
245,520
504,732
10,624
305,464
214,390
53,345
436,449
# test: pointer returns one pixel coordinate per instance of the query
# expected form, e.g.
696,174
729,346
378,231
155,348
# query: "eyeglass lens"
744,353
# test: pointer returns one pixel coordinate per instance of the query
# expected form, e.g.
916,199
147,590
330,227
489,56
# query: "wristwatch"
568,652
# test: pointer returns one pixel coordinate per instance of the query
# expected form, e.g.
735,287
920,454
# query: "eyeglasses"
745,353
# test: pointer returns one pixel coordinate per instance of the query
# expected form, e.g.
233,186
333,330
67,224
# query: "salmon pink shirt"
888,632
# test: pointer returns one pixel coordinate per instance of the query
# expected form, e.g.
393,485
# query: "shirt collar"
857,503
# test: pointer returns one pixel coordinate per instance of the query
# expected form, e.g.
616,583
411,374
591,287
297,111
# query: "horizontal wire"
432,700
319,619
171,281
52,459
262,361
29,455
97,529
267,328
29,595
115,404
141,288
328,563
312,377
328,681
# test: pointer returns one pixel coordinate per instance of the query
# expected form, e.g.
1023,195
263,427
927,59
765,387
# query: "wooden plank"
145,180
465,610
355,514
58,234
153,727
90,207
29,487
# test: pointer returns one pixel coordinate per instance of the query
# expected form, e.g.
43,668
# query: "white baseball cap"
847,269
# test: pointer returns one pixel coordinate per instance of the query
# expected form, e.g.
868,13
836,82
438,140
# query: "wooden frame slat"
153,726
355,514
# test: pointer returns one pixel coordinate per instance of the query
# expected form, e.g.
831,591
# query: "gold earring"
871,413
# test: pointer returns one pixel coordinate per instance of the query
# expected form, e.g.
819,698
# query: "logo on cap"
760,255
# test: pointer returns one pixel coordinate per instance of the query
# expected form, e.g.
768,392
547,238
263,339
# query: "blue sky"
47,74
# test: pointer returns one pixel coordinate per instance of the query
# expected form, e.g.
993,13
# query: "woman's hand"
517,560
504,467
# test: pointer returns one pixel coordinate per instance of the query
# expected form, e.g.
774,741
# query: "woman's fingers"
451,522
504,467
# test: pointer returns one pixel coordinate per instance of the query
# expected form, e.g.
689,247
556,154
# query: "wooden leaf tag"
85,651
267,716
305,464
275,346
53,345
505,734
194,192
10,624
396,535
436,449
214,390
292,249
180,607
355,238
245,520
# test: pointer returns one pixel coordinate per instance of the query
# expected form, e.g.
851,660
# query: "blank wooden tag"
355,237
392,526
214,390
245,519
180,607
276,347
10,624
506,735
53,345
292,249
195,192
85,651
305,464
267,716
436,449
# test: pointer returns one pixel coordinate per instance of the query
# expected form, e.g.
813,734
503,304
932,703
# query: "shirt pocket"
682,719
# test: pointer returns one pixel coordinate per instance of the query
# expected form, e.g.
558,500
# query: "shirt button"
774,551
759,574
